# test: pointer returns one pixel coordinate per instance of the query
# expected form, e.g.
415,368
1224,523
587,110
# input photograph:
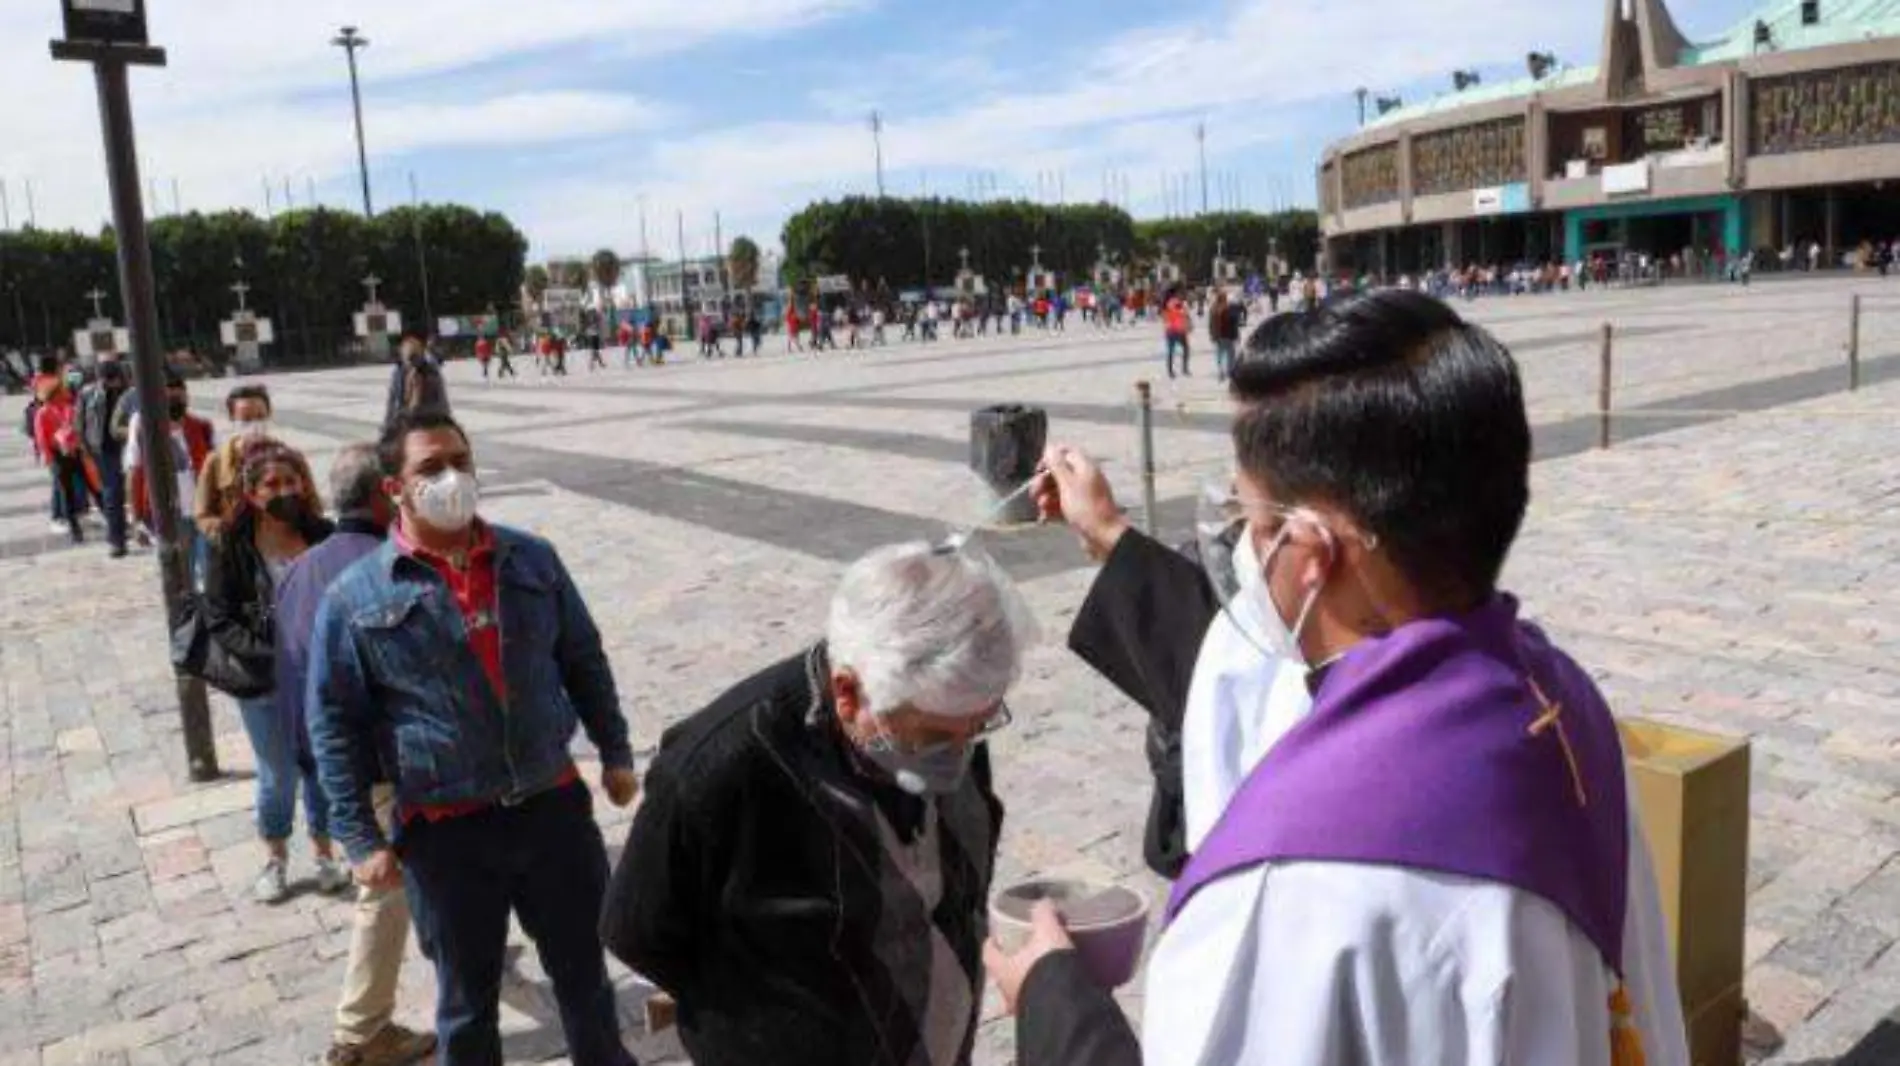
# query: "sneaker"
58,525
332,878
273,884
393,1046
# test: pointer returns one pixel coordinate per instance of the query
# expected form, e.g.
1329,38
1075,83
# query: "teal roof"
1841,21
1484,94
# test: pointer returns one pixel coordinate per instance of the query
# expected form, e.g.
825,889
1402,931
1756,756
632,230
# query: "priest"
1437,860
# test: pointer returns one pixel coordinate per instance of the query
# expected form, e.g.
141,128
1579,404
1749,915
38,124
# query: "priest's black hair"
1392,408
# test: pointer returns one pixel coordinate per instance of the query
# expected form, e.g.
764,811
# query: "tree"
567,273
538,282
742,263
605,268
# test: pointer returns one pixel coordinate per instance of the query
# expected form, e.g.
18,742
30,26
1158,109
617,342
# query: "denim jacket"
394,686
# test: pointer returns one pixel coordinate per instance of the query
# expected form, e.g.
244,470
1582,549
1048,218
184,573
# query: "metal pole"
349,41
422,255
1145,421
135,277
1603,391
1853,345
1200,136
877,145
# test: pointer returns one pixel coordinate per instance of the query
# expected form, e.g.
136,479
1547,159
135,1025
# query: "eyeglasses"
994,724
1223,513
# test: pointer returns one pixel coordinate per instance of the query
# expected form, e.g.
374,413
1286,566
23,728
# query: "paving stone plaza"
1729,564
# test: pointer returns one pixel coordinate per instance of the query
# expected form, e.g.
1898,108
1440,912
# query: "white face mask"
253,430
447,501
1279,636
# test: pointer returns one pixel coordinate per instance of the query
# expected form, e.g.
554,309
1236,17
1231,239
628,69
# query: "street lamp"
349,40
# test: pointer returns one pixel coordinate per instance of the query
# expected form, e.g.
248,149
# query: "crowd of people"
1393,812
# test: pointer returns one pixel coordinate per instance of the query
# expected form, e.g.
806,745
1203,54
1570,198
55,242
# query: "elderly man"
808,874
365,1033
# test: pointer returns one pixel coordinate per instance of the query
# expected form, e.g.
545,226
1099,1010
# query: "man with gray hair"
809,872
364,1035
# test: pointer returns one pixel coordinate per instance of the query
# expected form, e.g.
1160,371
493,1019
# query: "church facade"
1785,131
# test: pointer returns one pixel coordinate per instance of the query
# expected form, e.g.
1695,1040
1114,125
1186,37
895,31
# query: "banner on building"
1626,178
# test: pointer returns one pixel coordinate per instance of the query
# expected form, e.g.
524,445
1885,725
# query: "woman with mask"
278,517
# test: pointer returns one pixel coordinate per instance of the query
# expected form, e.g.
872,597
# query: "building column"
1831,243
1454,256
1573,236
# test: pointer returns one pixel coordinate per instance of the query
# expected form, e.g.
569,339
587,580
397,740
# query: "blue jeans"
1177,340
544,861
112,495
282,762
1223,359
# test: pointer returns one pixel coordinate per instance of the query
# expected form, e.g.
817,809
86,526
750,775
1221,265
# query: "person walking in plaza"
1223,327
278,518
484,351
1175,323
754,329
505,351
731,893
458,658
415,382
364,1035
56,436
596,359
792,343
101,425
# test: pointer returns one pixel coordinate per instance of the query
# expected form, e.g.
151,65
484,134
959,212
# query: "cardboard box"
1692,791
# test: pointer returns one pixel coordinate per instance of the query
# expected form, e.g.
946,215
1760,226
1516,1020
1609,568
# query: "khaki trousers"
376,949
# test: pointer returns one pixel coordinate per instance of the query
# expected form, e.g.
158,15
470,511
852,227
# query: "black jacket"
239,600
1141,628
751,886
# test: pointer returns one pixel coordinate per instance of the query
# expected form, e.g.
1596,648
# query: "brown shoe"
394,1046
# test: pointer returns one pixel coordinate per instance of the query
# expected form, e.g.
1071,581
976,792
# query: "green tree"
742,263
538,282
604,266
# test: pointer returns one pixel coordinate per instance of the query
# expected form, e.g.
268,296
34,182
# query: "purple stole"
1424,749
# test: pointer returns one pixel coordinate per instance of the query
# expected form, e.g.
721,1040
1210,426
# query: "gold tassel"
1626,1044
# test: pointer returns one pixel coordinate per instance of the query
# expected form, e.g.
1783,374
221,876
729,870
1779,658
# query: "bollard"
1853,344
1603,391
1145,421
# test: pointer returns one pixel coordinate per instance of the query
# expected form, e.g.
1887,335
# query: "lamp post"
877,146
1361,93
349,40
111,34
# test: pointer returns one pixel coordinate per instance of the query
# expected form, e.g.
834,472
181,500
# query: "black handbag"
197,654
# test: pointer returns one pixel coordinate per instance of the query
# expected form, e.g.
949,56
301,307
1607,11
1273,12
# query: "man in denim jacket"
456,661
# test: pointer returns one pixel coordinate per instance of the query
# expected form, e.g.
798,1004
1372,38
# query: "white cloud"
1127,104
251,87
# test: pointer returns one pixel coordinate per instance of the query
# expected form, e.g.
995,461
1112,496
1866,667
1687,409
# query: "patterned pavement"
1726,566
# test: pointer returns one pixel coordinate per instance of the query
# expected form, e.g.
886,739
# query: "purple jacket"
298,596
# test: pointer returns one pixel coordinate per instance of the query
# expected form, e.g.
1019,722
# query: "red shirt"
484,349
473,587
1177,317
56,426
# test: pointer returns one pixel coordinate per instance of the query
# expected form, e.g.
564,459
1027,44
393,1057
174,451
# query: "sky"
576,118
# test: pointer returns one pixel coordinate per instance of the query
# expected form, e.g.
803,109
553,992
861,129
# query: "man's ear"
848,695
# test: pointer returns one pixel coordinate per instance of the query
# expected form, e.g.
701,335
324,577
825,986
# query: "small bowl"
1108,923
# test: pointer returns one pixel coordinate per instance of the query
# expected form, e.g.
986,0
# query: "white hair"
941,631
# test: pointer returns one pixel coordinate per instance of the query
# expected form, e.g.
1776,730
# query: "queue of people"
1393,811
